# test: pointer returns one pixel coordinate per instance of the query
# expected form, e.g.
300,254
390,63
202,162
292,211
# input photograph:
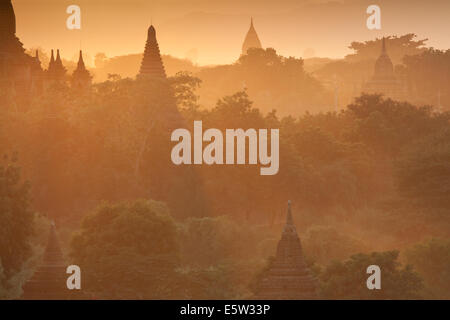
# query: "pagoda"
251,39
37,81
81,78
152,65
288,277
18,70
49,280
56,72
383,80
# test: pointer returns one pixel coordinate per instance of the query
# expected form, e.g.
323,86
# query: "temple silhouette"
21,75
49,280
152,66
19,72
251,39
81,78
288,277
383,80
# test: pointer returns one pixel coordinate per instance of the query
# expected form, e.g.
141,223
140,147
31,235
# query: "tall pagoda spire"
288,277
52,60
251,39
56,70
49,280
10,45
384,69
81,77
58,61
289,220
152,65
7,19
383,46
19,72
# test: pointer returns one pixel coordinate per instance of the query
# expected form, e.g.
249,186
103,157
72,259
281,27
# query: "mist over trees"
369,182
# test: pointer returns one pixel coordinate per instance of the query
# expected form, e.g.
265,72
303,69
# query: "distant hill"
313,64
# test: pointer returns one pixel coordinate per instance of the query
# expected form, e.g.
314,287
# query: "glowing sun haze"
215,29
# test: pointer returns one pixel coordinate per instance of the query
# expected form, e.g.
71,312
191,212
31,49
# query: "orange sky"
215,29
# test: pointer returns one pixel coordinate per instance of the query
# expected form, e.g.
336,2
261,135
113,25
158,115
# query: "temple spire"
7,19
152,65
58,58
81,77
56,70
287,277
49,279
81,65
251,39
289,220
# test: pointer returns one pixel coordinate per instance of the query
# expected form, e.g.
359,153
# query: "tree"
325,244
16,218
387,126
100,60
128,250
347,279
432,261
271,80
428,77
398,47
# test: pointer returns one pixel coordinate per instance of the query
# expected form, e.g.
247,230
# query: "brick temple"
383,80
288,277
152,65
49,280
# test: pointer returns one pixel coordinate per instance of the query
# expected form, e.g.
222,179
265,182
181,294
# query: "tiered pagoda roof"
288,276
152,65
81,77
251,39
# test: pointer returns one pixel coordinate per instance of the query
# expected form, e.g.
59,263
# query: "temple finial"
251,39
289,220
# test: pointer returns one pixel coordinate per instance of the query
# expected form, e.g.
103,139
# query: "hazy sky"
215,29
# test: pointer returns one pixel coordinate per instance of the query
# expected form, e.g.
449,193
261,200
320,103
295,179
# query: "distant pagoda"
56,71
383,80
251,39
37,84
288,277
49,280
18,70
152,65
81,78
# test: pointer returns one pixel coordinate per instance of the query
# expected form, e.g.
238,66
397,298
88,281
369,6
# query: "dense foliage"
372,177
